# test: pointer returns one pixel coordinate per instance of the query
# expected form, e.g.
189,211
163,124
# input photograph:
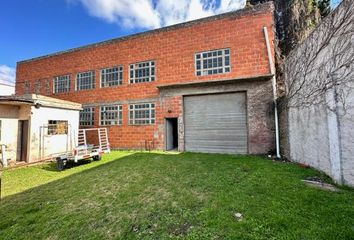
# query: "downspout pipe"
274,83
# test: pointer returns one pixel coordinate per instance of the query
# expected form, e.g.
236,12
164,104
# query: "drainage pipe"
274,83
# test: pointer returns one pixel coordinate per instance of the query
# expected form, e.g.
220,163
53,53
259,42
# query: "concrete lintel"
215,82
120,102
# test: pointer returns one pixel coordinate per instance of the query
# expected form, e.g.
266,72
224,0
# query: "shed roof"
39,100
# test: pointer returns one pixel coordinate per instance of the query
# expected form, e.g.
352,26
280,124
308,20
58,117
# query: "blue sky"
31,28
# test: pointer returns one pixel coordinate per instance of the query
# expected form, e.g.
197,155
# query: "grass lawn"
133,195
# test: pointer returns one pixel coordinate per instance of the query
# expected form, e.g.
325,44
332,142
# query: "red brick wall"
173,50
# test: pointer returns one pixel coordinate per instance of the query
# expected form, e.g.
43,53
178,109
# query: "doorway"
23,140
171,140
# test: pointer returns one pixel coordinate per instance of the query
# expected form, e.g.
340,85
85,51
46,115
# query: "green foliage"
136,195
324,6
297,19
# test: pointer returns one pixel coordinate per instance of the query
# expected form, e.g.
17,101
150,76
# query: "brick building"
203,85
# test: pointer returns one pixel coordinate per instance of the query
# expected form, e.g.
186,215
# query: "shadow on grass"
71,165
52,167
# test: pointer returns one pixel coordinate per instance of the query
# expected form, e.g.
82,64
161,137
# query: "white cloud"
7,74
156,13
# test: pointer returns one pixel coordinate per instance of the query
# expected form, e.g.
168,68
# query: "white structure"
6,89
320,86
36,128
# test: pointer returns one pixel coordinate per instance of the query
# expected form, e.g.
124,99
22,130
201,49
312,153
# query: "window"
85,80
142,72
111,76
212,62
27,87
47,87
56,127
37,86
140,114
111,115
61,84
87,116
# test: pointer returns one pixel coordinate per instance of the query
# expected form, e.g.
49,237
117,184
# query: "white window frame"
143,79
89,116
136,120
64,80
104,73
206,63
111,122
80,77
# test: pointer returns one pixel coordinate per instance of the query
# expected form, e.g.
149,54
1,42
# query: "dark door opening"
23,140
171,134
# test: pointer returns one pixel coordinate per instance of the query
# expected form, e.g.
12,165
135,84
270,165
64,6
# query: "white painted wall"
322,134
51,144
347,140
9,128
308,135
9,116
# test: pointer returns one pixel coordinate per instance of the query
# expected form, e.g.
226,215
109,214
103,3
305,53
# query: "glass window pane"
212,62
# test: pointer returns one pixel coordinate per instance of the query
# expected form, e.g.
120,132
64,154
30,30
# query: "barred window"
37,87
57,127
111,76
27,87
47,87
85,80
212,62
111,115
87,116
142,72
140,114
61,84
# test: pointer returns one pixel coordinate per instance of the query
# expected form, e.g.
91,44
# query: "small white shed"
35,128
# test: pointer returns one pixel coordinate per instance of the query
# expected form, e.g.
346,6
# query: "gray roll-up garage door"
216,123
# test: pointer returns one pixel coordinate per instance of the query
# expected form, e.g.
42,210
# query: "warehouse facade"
203,85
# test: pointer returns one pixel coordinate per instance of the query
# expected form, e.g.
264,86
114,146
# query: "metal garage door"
216,123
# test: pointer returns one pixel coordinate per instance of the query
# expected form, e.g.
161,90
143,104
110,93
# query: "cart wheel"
60,164
97,157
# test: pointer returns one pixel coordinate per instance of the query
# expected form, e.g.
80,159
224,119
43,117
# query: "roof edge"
259,8
44,101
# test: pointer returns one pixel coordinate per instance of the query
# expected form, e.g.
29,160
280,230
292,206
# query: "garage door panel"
216,126
224,133
216,123
220,149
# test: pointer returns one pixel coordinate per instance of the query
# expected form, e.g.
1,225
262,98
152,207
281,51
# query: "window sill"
115,86
115,125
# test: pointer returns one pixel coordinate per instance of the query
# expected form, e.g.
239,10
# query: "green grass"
133,195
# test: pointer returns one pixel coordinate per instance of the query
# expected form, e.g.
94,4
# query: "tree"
324,63
324,7
295,19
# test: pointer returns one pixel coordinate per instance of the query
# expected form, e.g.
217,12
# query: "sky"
32,28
